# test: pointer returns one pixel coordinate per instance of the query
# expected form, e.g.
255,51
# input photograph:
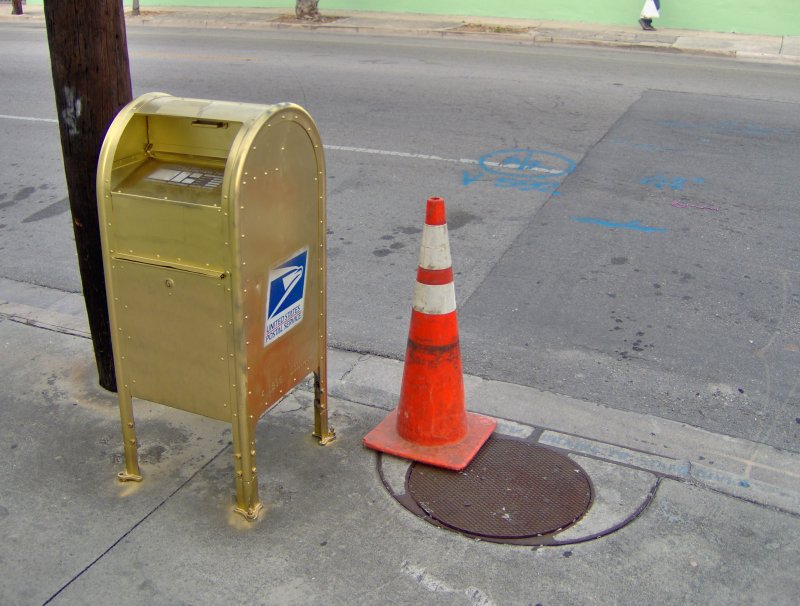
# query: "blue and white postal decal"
286,292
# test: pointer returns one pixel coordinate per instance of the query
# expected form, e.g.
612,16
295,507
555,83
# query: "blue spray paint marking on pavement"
522,169
674,183
617,454
634,225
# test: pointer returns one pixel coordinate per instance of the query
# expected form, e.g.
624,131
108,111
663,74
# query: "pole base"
455,456
250,513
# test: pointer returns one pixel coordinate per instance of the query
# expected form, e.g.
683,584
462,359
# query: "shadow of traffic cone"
430,423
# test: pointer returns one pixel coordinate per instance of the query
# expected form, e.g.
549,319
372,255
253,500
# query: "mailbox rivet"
238,474
169,283
252,452
130,425
237,456
253,469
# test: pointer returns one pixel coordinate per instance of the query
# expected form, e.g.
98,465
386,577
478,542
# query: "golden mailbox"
212,220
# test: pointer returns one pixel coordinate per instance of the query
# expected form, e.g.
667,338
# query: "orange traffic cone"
431,424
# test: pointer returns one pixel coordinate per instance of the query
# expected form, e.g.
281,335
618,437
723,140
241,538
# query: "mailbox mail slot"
212,220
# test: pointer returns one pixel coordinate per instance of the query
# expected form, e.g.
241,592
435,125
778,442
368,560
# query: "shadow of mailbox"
212,222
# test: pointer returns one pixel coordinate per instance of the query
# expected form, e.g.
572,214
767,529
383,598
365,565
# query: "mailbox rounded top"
163,127
162,104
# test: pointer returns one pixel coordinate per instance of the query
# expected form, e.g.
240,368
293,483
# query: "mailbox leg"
244,463
132,472
322,431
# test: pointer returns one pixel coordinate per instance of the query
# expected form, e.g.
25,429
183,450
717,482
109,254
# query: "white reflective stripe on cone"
435,300
435,250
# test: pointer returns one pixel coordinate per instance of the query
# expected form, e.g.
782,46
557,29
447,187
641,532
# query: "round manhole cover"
512,489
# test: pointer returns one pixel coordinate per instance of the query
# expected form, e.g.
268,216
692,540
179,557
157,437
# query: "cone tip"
435,213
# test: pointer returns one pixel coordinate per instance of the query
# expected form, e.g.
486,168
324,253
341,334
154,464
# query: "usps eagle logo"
286,290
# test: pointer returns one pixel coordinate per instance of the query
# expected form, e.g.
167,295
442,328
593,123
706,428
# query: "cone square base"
456,456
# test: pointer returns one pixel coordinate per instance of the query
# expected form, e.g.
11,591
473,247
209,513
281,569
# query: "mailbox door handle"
203,271
209,124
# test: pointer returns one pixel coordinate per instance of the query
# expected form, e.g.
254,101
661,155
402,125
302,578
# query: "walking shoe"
647,25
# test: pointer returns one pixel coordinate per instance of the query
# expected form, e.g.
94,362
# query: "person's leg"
646,18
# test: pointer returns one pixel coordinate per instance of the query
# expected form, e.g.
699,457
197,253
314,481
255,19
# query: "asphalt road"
623,224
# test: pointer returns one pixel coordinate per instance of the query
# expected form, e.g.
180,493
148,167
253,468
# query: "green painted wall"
773,17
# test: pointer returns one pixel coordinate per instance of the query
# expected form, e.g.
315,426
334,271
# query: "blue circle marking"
526,164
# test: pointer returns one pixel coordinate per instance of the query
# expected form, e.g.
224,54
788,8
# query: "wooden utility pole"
92,82
16,7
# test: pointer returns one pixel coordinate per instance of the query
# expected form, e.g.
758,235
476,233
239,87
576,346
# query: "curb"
538,33
737,467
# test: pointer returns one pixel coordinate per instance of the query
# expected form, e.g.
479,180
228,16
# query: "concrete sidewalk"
772,49
680,515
